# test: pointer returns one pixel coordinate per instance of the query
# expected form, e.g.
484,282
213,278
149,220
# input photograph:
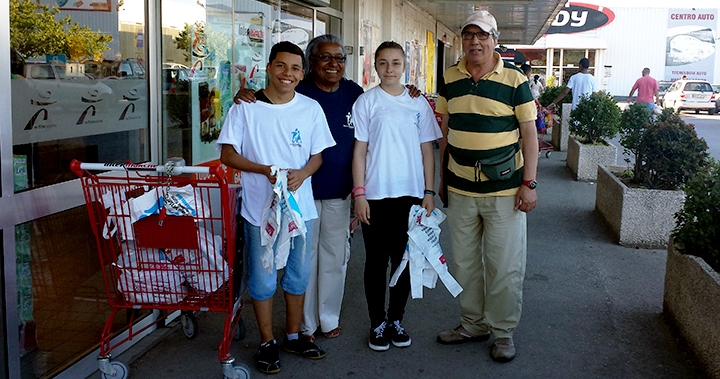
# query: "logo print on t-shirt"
296,140
348,121
417,120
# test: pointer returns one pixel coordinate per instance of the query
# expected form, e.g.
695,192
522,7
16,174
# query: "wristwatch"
532,183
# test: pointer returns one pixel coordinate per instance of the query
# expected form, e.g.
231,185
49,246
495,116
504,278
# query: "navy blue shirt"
333,180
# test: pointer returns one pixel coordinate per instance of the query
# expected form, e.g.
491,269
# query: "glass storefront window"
88,103
210,50
572,57
62,301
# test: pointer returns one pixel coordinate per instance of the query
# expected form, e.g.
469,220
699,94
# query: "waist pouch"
498,167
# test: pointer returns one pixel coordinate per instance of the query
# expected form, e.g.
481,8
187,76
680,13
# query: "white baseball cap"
483,20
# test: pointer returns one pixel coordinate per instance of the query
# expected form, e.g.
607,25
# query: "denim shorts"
296,274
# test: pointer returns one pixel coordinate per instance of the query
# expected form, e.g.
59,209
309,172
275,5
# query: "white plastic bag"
146,276
178,201
424,254
118,218
204,269
282,220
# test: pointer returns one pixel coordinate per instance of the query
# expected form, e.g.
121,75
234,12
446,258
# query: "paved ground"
592,309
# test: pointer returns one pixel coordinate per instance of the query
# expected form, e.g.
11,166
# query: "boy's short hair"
286,47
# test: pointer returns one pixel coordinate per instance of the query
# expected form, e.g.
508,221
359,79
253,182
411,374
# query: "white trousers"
328,266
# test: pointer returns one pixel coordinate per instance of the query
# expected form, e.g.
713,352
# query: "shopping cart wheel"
241,372
190,325
121,371
240,330
547,155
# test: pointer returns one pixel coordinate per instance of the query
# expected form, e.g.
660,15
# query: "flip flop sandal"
333,333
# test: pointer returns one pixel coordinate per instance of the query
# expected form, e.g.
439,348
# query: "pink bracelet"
357,188
355,196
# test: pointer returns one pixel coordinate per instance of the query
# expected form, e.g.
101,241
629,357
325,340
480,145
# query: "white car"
694,95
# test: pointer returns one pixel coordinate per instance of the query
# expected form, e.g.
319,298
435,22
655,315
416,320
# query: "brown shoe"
503,350
460,335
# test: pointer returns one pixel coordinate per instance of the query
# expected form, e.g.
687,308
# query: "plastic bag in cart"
424,254
147,276
178,201
204,269
282,220
118,218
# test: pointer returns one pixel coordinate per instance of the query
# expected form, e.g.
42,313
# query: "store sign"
690,44
577,17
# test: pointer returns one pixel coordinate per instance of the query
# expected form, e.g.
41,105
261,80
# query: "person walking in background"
488,183
287,130
648,90
582,83
536,87
393,169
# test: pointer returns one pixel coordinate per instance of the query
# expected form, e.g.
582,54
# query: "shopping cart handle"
78,167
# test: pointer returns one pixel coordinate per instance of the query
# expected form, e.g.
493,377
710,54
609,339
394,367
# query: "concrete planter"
638,217
561,132
692,302
584,159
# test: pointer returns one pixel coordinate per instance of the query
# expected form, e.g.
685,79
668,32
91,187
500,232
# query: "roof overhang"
520,22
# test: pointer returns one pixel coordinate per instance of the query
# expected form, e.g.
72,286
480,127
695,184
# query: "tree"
35,32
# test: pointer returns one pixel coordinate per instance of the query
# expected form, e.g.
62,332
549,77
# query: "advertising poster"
203,98
370,39
691,44
84,5
249,51
430,60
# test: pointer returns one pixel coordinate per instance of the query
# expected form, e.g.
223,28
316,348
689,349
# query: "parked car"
663,86
694,95
716,88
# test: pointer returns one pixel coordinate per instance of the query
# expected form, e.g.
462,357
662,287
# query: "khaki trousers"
328,266
489,250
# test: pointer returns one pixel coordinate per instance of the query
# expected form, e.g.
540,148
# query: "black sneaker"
303,347
377,340
267,359
398,335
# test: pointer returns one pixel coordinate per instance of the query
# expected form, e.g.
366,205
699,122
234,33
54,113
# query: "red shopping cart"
166,241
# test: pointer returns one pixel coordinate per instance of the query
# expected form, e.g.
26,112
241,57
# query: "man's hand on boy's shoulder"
244,95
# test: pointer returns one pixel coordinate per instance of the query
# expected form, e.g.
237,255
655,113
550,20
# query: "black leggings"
385,239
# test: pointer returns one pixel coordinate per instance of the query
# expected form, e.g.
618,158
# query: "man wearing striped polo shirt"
488,182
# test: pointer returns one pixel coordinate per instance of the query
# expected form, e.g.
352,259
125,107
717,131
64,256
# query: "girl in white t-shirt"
393,169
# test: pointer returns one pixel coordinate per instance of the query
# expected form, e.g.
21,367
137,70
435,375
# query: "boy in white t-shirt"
287,130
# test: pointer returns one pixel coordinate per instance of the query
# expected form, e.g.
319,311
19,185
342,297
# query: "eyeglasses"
481,35
327,57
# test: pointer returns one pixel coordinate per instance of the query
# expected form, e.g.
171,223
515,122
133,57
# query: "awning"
510,54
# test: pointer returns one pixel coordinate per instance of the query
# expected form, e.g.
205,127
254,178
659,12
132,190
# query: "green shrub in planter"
633,122
669,153
550,94
597,116
698,223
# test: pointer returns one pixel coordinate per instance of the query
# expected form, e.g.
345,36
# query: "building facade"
621,39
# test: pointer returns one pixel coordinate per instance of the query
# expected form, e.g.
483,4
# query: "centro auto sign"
577,17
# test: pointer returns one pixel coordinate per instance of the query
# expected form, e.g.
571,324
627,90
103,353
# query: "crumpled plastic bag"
204,269
424,254
147,276
281,221
118,218
177,201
